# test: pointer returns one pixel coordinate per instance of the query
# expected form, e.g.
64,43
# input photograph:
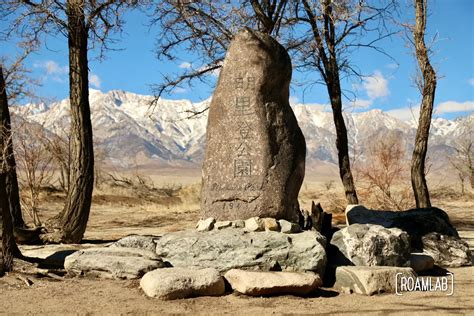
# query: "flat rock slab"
176,283
373,245
234,248
416,222
370,280
258,283
112,262
53,255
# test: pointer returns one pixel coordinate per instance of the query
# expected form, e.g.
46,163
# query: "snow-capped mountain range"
131,133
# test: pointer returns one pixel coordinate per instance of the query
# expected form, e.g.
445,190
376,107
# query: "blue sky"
388,85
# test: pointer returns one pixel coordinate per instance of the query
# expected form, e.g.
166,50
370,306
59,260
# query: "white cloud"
294,100
392,66
360,103
51,67
453,106
376,86
407,114
319,106
215,72
185,65
471,81
94,80
52,71
178,90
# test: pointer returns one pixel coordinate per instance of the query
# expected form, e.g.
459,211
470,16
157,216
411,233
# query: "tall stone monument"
255,155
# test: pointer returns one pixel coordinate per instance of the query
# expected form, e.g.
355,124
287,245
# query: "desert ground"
167,202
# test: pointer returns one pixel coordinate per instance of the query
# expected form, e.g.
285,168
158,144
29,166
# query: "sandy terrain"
120,211
105,297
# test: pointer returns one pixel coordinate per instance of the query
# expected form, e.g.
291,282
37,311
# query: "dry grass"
162,204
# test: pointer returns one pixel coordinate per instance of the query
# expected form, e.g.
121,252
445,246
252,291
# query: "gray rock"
421,262
370,280
53,255
234,248
255,151
373,245
416,222
137,241
176,283
205,224
289,227
222,224
447,251
257,283
238,223
254,224
112,262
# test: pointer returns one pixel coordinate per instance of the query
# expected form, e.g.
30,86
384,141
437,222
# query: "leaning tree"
333,31
82,22
15,85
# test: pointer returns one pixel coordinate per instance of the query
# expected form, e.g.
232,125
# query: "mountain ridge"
131,134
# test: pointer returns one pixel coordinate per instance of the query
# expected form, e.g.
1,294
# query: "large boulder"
373,245
257,283
112,262
234,248
447,251
416,222
176,283
370,280
255,151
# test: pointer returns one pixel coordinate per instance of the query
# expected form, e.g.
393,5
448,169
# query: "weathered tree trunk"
334,90
328,67
9,247
11,180
418,179
79,197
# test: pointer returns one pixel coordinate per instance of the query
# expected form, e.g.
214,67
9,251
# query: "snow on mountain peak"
126,127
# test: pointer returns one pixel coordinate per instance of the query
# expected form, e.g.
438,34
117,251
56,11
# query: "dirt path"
106,297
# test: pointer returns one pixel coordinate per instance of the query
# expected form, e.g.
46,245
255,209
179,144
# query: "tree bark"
334,90
11,181
9,247
328,67
418,179
79,197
